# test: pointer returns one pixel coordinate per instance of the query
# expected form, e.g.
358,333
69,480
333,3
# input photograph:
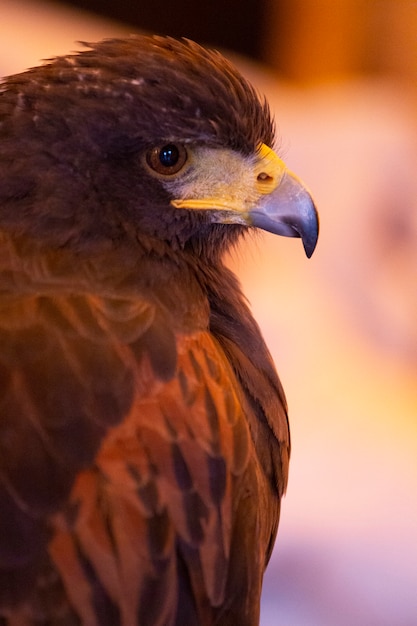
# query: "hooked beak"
261,193
288,210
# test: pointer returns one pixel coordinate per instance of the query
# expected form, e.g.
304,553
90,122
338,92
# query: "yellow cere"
226,180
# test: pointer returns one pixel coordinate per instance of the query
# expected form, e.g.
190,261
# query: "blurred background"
341,78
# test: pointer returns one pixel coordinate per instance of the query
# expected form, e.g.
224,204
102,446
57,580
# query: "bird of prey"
144,439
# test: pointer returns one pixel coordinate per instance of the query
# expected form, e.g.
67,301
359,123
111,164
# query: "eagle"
144,440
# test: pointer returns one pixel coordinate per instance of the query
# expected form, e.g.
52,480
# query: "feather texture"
144,439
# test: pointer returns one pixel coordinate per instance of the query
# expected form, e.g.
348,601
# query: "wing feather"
129,452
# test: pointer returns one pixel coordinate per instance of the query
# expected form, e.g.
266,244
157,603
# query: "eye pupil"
167,160
169,155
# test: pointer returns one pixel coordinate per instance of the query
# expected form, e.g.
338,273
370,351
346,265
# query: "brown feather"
143,430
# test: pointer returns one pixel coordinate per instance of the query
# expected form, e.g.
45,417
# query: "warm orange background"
342,326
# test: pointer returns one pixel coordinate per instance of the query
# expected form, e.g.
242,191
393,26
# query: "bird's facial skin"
256,190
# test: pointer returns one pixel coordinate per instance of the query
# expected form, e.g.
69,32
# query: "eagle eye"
167,160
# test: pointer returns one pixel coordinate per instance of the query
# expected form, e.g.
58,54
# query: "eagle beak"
262,193
285,206
288,210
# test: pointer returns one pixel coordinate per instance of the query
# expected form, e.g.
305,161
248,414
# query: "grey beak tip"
310,234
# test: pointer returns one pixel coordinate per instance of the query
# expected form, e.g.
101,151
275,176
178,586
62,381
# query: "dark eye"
167,160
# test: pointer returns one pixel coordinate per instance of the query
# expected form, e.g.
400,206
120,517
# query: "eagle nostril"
264,177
